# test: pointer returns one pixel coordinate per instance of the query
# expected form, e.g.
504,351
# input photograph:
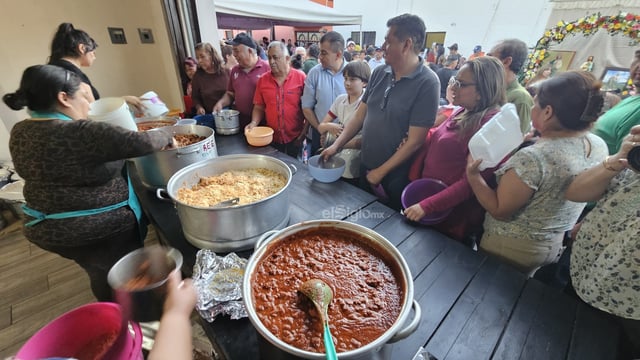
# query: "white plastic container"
497,138
153,105
113,110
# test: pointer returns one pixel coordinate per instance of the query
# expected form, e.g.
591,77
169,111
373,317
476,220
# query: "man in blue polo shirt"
399,107
323,84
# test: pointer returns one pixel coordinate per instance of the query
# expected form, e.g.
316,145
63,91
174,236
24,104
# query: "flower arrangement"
623,23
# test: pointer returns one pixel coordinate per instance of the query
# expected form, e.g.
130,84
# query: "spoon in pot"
321,295
226,203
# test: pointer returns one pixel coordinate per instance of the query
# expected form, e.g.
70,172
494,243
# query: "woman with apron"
79,202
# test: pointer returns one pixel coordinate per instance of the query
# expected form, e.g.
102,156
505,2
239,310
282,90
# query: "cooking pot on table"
233,228
227,122
156,169
276,349
148,123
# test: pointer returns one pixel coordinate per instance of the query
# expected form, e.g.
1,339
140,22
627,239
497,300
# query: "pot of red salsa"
370,280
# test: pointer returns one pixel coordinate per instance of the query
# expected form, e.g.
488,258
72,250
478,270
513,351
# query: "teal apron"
132,201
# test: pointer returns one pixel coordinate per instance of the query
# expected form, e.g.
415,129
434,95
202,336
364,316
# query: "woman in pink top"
479,89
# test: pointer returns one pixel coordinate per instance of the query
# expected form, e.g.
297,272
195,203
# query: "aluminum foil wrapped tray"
218,281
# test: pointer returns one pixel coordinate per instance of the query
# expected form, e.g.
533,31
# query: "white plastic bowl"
329,171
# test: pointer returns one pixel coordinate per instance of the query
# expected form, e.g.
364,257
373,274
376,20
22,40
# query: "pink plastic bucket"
93,331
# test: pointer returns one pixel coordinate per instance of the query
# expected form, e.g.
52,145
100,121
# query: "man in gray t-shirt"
400,103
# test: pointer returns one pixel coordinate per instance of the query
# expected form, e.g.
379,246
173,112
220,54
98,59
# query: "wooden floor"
36,286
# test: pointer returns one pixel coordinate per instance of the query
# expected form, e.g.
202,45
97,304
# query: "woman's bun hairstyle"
575,97
40,86
15,100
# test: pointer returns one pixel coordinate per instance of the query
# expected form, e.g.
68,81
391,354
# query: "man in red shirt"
277,99
243,77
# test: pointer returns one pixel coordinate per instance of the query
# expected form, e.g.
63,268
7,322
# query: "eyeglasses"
385,99
458,84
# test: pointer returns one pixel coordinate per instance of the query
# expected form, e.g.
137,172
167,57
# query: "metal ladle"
321,295
226,203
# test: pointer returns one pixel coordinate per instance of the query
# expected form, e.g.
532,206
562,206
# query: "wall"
27,26
467,23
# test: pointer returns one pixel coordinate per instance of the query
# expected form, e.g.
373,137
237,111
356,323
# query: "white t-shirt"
343,112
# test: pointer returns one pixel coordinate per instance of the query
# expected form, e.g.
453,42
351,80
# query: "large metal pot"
227,122
156,169
149,123
232,228
276,349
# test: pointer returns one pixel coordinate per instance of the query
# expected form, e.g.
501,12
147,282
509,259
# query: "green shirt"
616,123
308,64
520,97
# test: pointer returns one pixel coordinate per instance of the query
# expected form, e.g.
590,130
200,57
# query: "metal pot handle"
160,194
265,237
195,150
294,169
413,325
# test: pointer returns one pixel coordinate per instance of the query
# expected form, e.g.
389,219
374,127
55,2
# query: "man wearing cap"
513,53
323,84
377,59
397,109
351,46
477,52
243,77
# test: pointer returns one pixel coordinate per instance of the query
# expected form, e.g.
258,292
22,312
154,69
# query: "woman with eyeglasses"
479,90
79,203
528,213
72,49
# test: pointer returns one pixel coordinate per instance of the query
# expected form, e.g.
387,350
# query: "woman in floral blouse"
527,214
605,260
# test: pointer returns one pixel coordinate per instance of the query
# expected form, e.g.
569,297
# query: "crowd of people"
400,112
395,113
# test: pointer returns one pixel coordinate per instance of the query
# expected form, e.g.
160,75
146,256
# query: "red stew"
368,294
148,125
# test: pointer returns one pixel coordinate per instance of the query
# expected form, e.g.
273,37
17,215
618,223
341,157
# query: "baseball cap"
477,48
351,43
242,39
454,46
378,49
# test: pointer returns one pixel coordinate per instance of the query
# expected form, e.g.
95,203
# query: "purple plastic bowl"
420,189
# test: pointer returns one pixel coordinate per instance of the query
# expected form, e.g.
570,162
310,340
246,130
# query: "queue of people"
393,120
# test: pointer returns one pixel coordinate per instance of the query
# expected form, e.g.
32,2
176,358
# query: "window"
369,38
355,36
304,38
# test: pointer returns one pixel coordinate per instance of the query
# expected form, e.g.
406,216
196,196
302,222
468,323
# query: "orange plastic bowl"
259,136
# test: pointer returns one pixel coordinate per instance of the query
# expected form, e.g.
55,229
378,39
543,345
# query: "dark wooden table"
473,306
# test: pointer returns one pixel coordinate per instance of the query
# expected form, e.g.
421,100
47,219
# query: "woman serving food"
79,204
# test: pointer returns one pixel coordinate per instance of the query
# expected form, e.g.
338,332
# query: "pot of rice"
259,182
